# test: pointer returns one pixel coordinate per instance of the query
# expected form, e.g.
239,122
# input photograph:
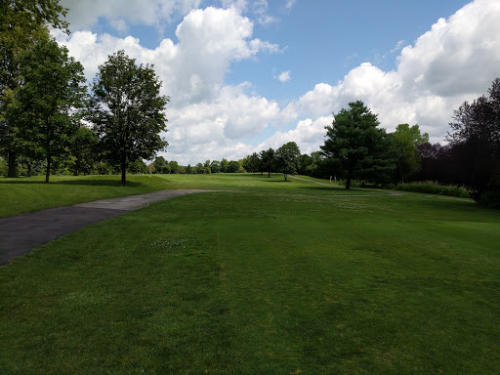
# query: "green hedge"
435,188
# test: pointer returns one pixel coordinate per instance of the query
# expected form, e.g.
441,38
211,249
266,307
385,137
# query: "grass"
30,194
430,187
275,278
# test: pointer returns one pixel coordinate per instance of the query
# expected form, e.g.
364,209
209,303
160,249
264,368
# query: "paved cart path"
21,233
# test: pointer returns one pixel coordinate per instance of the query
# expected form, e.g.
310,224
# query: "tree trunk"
286,176
123,166
12,164
348,181
268,174
47,172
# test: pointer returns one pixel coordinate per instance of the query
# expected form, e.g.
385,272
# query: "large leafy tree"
252,163
47,102
22,24
128,111
287,157
268,161
161,165
475,138
215,166
405,142
355,144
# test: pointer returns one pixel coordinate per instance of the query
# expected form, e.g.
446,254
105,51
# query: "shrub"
430,187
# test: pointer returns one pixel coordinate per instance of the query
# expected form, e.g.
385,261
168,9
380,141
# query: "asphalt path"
21,233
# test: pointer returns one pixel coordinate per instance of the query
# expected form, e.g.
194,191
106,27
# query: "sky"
243,76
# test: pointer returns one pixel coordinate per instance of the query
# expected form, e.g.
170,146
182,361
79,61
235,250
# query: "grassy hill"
266,278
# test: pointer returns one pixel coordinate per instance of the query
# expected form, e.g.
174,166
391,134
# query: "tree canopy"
45,106
354,143
127,111
287,158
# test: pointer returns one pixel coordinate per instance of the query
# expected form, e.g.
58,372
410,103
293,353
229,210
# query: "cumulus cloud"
85,13
308,134
206,117
454,61
193,69
284,76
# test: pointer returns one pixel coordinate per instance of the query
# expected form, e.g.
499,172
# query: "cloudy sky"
246,75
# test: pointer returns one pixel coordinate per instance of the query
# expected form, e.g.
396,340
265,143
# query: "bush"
490,199
430,187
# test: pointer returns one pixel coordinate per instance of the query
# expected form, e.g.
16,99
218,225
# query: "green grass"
19,195
275,278
430,187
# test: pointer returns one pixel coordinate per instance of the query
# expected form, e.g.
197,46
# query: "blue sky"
231,103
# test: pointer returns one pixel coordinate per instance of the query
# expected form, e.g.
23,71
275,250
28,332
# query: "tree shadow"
84,182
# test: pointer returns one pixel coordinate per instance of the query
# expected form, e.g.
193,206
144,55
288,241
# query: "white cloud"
85,13
454,61
193,69
284,76
398,46
206,117
290,3
308,134
260,9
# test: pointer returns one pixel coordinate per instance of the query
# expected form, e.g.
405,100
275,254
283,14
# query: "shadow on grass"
336,189
84,182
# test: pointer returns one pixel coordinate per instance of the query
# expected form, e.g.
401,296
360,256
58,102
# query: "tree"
22,24
138,167
252,163
287,157
268,161
83,150
161,166
206,167
224,165
174,167
475,140
54,86
305,163
233,167
354,144
215,166
405,143
128,111
200,169
189,169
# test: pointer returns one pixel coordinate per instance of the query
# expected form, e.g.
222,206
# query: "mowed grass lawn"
19,195
267,278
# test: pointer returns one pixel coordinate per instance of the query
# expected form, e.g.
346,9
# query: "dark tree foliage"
45,105
215,166
233,167
224,165
22,24
84,151
356,147
161,166
475,140
287,157
252,162
268,161
127,111
174,166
